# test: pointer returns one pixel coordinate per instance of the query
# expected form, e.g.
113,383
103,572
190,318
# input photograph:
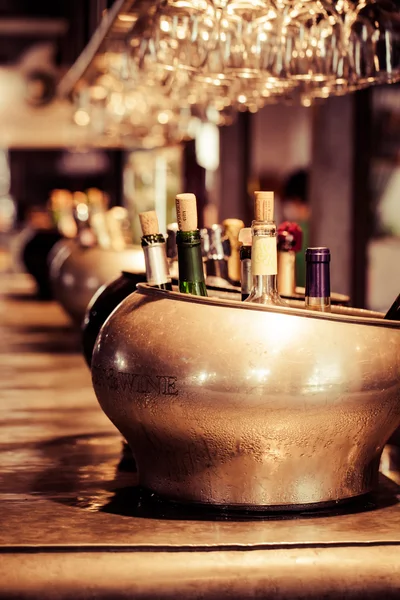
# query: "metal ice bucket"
249,406
76,273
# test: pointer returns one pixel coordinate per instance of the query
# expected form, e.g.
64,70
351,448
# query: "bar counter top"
74,523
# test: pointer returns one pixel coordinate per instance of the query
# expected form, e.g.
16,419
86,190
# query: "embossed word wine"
394,311
155,257
191,273
318,285
246,278
264,263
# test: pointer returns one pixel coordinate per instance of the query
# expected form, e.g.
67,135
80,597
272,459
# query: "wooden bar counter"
75,525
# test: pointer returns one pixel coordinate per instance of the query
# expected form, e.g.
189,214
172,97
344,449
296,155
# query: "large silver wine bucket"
248,406
76,273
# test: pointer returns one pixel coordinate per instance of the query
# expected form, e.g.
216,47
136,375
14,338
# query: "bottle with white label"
264,262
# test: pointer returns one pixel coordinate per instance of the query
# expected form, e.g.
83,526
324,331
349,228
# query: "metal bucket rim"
341,314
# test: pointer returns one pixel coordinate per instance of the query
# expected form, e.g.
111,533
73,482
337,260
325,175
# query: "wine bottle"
318,287
290,238
153,244
264,265
232,228
394,311
61,206
85,234
216,263
191,274
36,243
118,227
246,279
172,249
205,247
97,204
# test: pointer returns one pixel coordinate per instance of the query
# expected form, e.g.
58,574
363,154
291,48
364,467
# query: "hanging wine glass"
188,60
244,31
382,40
183,34
312,38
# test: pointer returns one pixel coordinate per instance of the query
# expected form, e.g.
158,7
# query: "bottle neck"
171,248
85,234
287,273
216,249
216,264
322,304
117,239
265,285
234,264
217,268
318,292
264,263
97,221
173,268
189,256
246,279
66,223
157,272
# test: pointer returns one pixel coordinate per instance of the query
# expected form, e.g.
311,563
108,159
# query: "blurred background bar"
333,163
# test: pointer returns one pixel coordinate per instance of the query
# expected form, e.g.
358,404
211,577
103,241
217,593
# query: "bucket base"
173,509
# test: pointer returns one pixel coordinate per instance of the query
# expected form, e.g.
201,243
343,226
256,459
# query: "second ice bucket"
248,406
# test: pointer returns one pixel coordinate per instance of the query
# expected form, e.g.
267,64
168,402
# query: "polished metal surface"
77,273
74,526
231,404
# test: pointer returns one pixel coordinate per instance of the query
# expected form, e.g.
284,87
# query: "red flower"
290,237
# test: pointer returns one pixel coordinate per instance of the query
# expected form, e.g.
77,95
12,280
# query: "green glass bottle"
191,272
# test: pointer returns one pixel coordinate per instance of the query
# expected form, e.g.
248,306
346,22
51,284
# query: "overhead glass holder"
154,69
